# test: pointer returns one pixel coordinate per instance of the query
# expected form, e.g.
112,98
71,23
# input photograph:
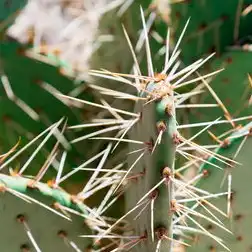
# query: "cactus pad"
215,25
236,202
25,213
234,81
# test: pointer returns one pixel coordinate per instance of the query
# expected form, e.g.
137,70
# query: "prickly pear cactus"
31,78
214,25
40,215
155,189
235,181
234,81
37,217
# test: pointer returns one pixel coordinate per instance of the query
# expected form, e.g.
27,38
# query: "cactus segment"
233,82
157,119
236,182
210,31
40,218
153,187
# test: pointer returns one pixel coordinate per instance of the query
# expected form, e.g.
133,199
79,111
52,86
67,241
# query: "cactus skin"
211,31
239,222
154,118
229,84
44,224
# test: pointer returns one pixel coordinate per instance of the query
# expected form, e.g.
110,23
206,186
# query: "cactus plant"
151,175
237,81
157,189
27,95
235,181
214,27
26,200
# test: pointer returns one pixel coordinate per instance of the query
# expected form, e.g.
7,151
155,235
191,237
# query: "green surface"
214,25
233,88
44,224
240,221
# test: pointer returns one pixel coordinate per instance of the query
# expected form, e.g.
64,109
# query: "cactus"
235,181
214,25
234,81
23,210
26,200
156,211
27,91
154,190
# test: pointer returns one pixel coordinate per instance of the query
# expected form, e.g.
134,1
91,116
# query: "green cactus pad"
214,25
26,78
240,221
229,85
50,231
